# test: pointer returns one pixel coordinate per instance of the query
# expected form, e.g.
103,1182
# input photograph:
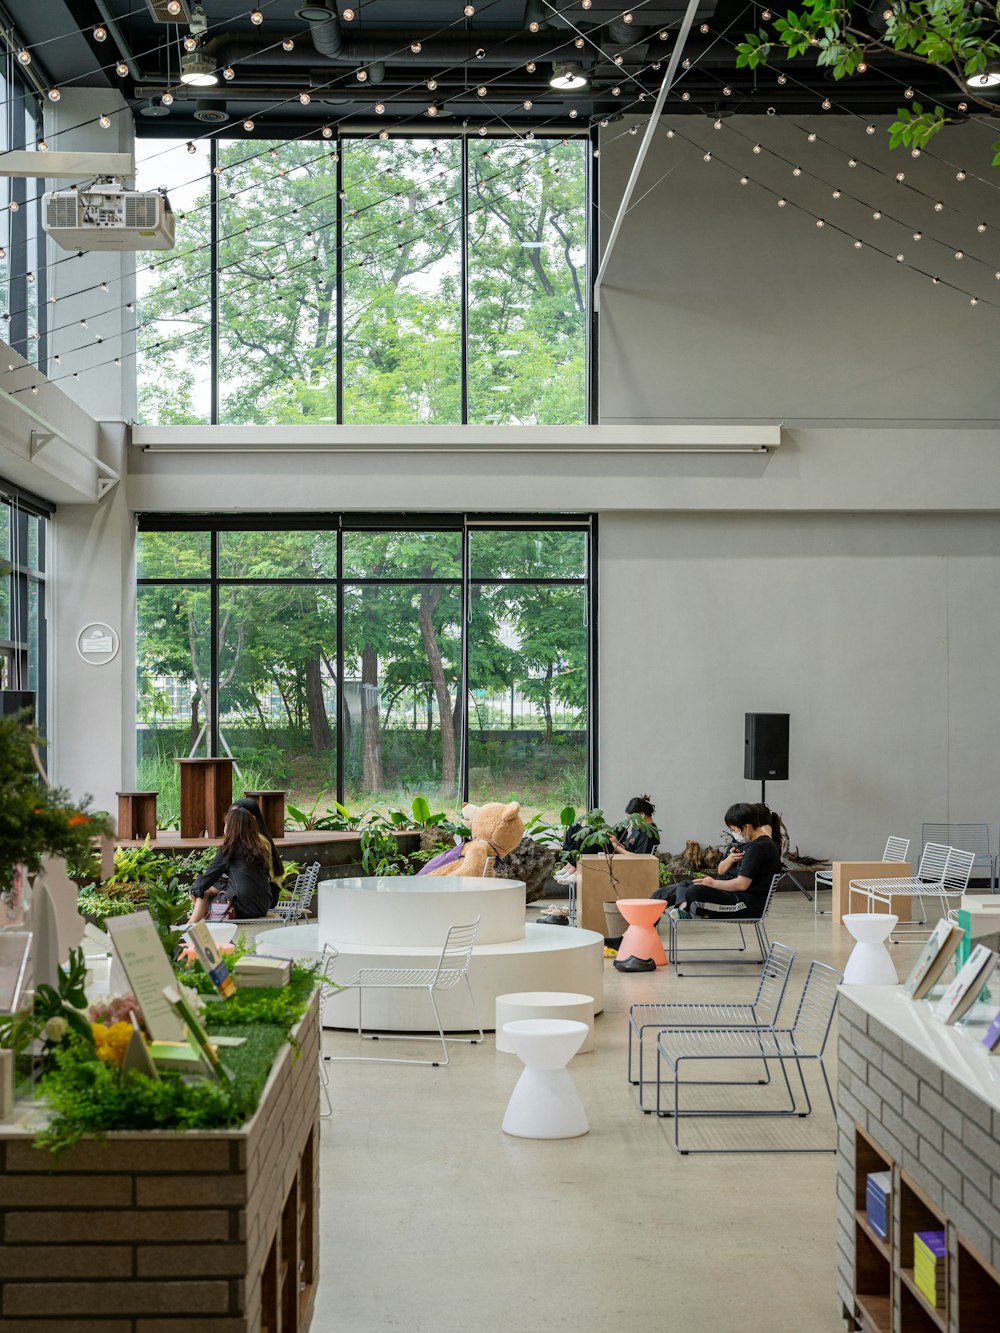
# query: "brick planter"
214,1231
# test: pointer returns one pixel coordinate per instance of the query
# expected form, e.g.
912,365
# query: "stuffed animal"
496,830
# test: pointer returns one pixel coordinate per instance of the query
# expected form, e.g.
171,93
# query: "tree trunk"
319,726
195,721
371,737
547,707
429,598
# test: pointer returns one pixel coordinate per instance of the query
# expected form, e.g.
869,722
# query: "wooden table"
137,814
206,795
272,807
845,871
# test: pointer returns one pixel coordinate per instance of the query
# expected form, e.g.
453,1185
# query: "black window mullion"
464,683
341,702
592,651
465,283
213,281
339,232
213,697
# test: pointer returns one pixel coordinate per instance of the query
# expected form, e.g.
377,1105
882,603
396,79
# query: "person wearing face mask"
734,897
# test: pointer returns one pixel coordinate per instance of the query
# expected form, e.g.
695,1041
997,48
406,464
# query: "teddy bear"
496,830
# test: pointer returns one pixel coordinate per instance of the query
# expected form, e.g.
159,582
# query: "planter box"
169,1232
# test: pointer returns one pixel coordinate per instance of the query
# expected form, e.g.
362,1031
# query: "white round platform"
418,910
545,958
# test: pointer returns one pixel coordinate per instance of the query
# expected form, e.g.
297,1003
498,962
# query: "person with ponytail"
742,895
245,860
277,869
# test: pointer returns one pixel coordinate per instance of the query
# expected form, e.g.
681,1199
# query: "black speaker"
13,701
766,753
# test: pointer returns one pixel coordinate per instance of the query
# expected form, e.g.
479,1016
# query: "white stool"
545,1103
870,964
544,1004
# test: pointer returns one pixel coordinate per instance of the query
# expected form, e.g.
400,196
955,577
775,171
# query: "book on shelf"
878,1202
964,990
929,1251
255,970
992,1039
934,958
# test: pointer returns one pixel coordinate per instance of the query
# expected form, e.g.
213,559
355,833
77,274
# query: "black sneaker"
613,941
635,965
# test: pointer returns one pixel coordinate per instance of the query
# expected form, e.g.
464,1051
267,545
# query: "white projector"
106,216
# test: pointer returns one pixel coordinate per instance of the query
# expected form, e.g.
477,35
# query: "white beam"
647,139
67,166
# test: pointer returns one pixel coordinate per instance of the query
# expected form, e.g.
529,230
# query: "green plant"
960,39
37,820
56,1012
380,854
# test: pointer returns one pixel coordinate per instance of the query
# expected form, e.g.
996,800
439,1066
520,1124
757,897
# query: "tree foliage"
958,38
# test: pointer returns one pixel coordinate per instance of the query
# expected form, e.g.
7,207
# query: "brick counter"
171,1232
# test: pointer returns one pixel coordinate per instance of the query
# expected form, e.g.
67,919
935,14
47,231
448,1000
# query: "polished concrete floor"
433,1219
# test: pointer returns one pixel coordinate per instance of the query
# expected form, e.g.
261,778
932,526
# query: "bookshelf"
886,1297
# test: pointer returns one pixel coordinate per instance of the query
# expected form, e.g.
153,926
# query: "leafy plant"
380,854
56,1012
960,39
37,820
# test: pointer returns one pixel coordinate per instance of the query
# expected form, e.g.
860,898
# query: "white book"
934,958
964,990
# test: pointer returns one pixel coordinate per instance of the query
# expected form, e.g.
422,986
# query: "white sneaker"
565,876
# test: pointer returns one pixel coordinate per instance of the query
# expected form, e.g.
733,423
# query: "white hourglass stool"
545,1103
870,964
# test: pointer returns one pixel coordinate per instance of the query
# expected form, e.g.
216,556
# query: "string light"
431,85
820,222
380,108
796,171
531,67
287,44
960,175
781,203
901,176
229,73
54,94
191,148
469,10
727,91
248,125
869,129
973,300
527,104
826,104
852,162
744,180
104,122
938,207
347,15
836,194
121,69
257,18
416,48
174,8
533,26
42,146
811,136
900,258
708,157
782,79
100,33
981,228
862,68
327,132
877,214
305,99
918,235
757,148
24,56
481,90
167,99
189,43
579,43
857,245
959,254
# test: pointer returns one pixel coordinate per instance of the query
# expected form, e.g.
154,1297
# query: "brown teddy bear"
496,830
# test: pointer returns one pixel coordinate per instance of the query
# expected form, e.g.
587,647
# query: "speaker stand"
763,799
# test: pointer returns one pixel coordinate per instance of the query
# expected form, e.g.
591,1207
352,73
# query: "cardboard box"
845,871
634,877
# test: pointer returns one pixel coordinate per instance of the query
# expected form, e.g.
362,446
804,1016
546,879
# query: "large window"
367,280
329,659
22,597
23,285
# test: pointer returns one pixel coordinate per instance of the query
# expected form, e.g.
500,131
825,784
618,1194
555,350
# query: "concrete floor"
433,1219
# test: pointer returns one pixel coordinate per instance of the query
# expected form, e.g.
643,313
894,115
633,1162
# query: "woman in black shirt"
742,896
245,858
642,838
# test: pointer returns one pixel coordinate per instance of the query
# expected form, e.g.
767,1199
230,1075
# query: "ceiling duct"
325,28
624,34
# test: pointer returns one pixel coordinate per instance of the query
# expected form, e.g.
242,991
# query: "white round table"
870,964
544,1004
545,1103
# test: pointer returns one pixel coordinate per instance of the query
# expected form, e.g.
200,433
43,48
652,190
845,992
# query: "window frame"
466,524
22,653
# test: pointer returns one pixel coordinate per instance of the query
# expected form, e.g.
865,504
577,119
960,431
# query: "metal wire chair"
968,838
296,907
804,1041
452,968
896,849
937,877
763,942
762,1011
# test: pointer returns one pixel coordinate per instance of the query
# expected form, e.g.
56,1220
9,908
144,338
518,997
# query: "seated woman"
245,859
641,839
733,896
277,869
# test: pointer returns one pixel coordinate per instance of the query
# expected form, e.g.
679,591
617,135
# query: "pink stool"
641,939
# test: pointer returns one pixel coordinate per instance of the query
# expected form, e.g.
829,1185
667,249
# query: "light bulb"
121,69
481,90
619,59
820,222
836,194
469,10
257,18
100,33
248,125
757,148
174,8
727,91
229,72
380,108
857,245
597,152
963,106
826,104
104,122
900,176
781,203
415,48
191,148
432,110
981,228
42,146
305,99
899,259
54,94
959,254
707,157
717,125
796,171
24,56
782,79
616,91
664,35
533,26
852,162
586,4
960,175
347,15
862,68
480,52
531,67
766,15
973,300
167,99
744,180
83,323
917,235
327,132
573,113
908,92
482,131
685,97
527,104
811,137
431,85
876,215
938,207
935,281
13,205
579,43
189,43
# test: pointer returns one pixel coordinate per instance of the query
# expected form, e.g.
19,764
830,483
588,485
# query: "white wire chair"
762,1011
804,1041
896,849
943,873
295,907
760,930
452,968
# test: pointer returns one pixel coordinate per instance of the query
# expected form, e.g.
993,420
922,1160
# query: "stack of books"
254,970
928,1265
878,1202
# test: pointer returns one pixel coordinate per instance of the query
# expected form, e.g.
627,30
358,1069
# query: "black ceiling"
491,49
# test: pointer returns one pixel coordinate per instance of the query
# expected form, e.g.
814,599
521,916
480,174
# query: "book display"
964,990
934,958
929,1261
